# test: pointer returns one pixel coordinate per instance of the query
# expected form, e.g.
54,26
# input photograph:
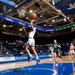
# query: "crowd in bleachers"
11,49
17,48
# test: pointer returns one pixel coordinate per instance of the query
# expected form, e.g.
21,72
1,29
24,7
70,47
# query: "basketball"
23,7
34,16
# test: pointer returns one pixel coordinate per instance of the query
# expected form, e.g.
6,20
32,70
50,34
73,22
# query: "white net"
21,12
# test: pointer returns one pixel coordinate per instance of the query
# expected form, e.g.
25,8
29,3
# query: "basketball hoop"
21,12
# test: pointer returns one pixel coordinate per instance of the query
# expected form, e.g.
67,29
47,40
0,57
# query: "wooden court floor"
22,64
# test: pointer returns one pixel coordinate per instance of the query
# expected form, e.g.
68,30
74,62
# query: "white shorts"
31,42
72,51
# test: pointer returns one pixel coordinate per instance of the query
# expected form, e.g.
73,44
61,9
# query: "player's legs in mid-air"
31,44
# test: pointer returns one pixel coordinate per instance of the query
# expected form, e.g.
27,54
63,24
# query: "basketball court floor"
50,19
45,67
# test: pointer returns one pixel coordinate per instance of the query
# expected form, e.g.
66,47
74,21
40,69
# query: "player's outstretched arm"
24,29
32,24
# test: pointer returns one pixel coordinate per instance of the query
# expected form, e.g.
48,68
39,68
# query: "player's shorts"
72,51
57,51
31,42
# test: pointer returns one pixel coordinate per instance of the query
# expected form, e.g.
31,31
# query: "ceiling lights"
53,21
65,19
30,11
4,25
45,25
20,29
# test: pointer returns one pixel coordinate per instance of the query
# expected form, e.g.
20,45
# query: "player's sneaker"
30,58
62,58
56,64
37,61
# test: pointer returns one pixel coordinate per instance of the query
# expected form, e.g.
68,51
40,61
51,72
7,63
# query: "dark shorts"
57,51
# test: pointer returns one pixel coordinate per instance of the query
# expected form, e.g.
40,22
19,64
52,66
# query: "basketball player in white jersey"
31,43
71,50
